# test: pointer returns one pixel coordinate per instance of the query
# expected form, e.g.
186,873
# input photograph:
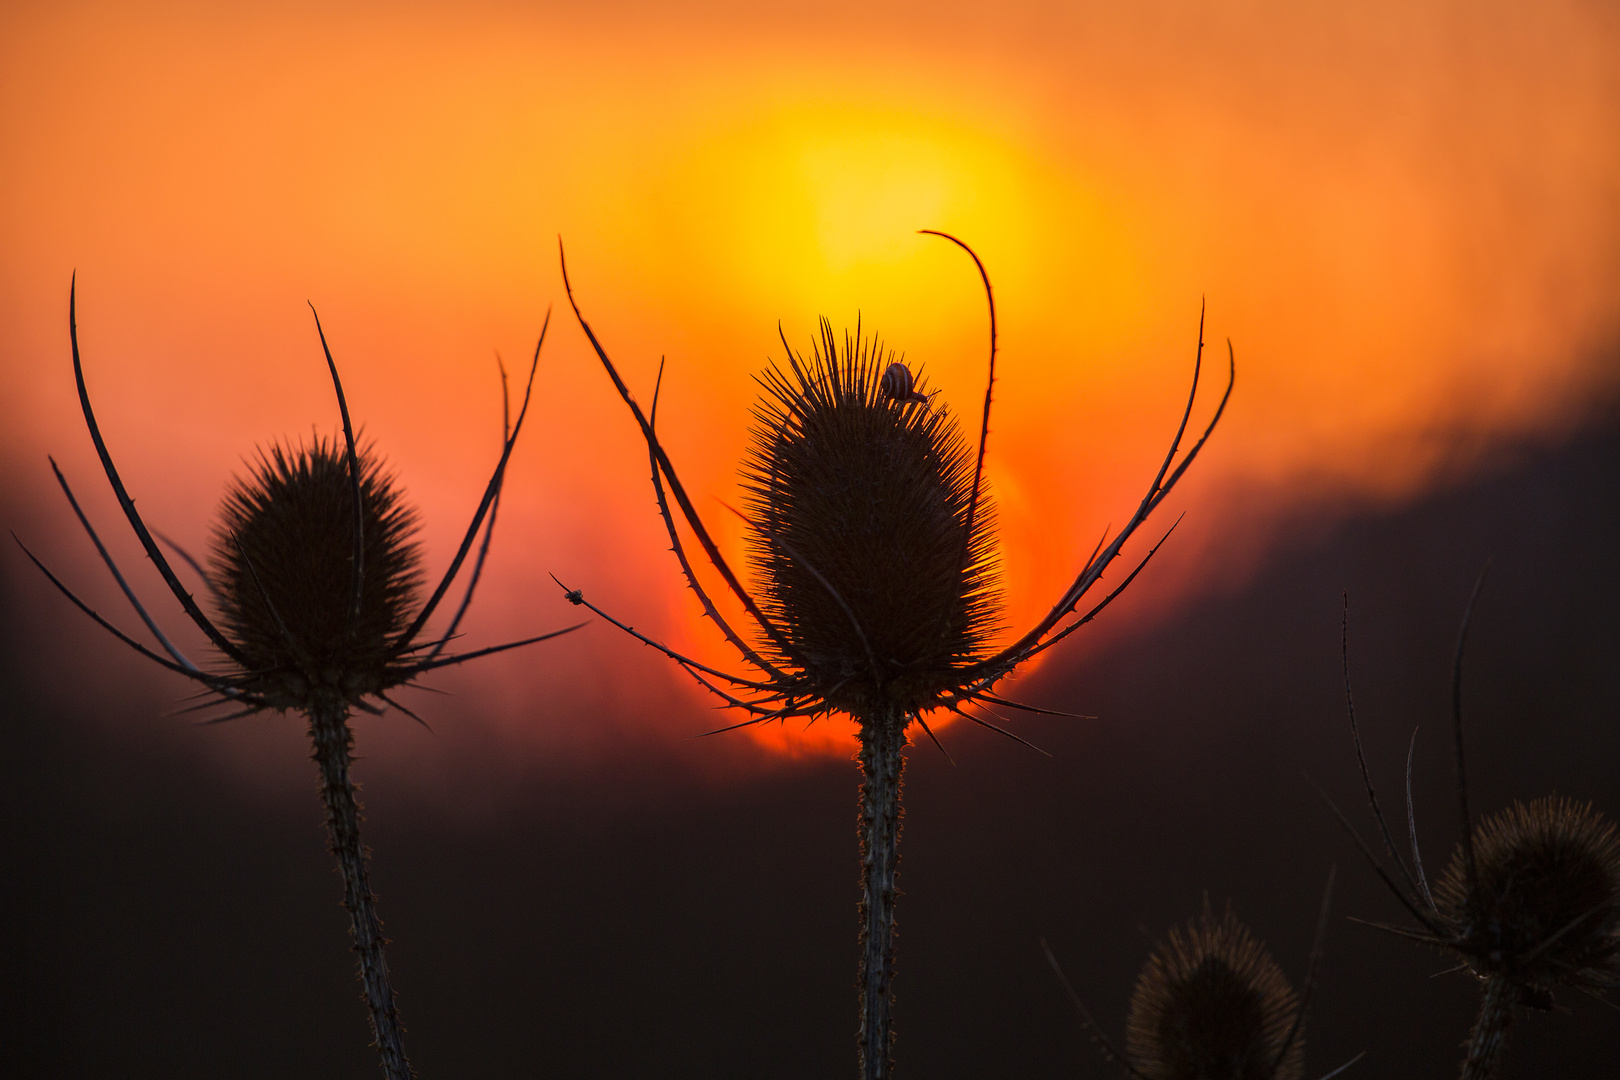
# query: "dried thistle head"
316,576
1530,899
282,567
860,502
1544,906
315,571
1212,1004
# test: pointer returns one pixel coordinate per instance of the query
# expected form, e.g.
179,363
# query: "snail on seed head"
879,582
898,386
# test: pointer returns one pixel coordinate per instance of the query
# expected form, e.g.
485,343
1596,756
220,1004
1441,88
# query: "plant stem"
882,736
329,730
1489,1038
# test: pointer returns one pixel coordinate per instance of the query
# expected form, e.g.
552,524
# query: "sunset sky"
1404,215
1404,218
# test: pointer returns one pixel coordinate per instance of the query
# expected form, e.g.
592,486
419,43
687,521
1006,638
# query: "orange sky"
1406,216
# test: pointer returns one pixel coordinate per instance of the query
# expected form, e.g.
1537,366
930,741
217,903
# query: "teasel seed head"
1212,1004
1545,910
859,497
282,566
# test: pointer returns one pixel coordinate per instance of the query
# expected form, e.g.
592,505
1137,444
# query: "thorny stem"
1488,1040
329,730
882,736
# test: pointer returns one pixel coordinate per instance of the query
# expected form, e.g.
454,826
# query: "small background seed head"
872,494
1212,1004
290,524
1548,867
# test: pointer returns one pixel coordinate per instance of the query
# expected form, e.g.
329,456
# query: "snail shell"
897,385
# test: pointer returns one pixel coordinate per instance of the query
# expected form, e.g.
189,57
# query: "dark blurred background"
627,917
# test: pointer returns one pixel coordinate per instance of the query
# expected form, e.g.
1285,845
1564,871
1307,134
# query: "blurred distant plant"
1212,1004
1529,903
316,576
870,537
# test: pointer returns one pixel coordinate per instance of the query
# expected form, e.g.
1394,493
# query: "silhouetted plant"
1212,1004
870,538
316,575
1529,903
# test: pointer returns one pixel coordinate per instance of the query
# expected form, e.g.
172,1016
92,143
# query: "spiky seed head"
858,496
1546,910
1211,1004
282,561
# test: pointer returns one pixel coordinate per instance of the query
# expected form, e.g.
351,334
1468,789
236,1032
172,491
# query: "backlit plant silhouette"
316,575
872,548
1530,902
1212,1004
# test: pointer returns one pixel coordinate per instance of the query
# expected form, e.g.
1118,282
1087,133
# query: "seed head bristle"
1546,910
859,504
282,560
1212,1004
